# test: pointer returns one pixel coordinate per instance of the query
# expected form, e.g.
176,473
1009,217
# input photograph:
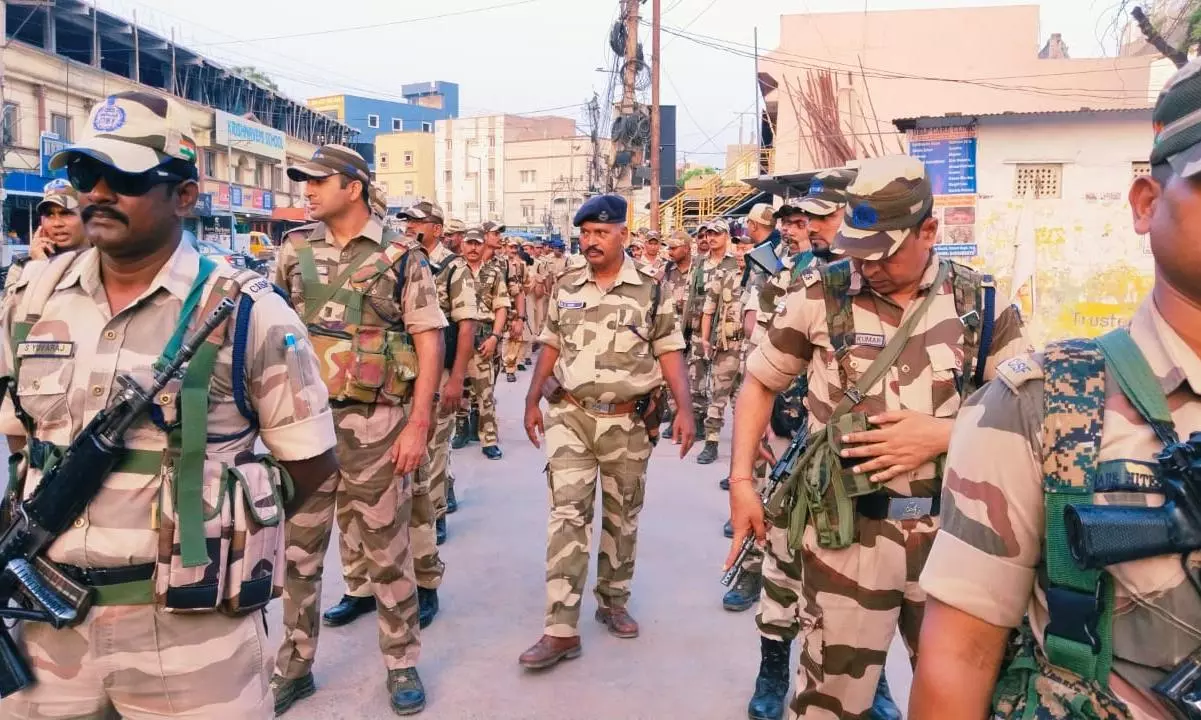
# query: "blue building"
425,103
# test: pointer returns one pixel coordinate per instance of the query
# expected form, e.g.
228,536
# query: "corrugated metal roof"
960,119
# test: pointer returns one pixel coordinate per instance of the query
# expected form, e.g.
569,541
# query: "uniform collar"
627,274
373,231
1172,361
858,284
175,276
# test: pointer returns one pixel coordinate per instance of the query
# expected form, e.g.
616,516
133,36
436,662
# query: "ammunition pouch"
450,344
483,330
243,537
365,364
650,409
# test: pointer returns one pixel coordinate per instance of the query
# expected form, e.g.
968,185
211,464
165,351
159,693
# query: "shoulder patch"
300,234
1019,370
811,276
253,284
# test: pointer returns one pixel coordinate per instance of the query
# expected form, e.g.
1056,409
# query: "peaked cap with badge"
61,193
330,160
827,191
602,209
890,197
134,132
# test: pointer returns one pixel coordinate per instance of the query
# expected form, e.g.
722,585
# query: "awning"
790,185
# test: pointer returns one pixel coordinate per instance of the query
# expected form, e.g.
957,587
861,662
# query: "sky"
531,56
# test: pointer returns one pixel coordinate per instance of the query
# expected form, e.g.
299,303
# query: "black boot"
512,377
699,418
452,504
459,440
440,530
883,707
473,425
708,454
725,483
728,529
771,687
287,692
745,592
349,609
493,452
406,691
427,606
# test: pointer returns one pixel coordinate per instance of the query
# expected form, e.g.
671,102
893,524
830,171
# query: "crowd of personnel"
1029,520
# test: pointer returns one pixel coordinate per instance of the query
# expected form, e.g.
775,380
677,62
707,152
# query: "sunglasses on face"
86,173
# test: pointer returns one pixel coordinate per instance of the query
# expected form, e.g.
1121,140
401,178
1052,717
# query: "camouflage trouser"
481,374
133,661
780,610
514,353
698,379
579,446
858,597
427,565
723,368
439,460
374,506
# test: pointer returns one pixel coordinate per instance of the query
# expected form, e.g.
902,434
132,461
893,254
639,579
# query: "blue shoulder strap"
986,329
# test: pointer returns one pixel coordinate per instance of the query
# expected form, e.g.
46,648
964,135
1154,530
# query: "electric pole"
629,77
656,152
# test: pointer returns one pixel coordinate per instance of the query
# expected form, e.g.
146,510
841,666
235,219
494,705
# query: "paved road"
693,660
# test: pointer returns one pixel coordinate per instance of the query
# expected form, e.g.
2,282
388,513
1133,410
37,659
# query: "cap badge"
603,216
864,215
109,117
816,187
56,185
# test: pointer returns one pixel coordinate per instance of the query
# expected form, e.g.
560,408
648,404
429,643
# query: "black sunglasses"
85,173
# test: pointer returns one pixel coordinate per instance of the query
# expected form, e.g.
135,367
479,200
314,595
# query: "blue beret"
601,208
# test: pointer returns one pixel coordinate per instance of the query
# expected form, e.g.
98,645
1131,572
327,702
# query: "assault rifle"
781,471
42,591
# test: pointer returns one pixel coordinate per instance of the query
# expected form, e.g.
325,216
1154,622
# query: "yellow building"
404,164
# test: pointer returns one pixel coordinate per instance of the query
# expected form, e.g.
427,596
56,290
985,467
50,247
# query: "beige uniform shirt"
456,285
491,289
924,377
608,341
987,558
64,383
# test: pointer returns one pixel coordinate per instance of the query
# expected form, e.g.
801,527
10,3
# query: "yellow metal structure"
719,193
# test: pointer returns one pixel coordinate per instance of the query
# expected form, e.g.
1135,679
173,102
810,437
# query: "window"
408,187
61,125
529,177
450,146
397,124
1139,169
527,211
210,164
491,176
383,161
277,178
259,175
427,127
373,121
492,206
1038,181
491,141
9,129
449,176
408,158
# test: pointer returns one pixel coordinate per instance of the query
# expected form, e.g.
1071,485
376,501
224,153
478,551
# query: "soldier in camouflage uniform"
515,345
60,229
721,333
653,258
70,326
457,300
699,379
349,277
452,234
674,283
856,590
492,291
1056,428
607,345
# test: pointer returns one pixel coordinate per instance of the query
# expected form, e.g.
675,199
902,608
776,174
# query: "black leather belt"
101,577
879,506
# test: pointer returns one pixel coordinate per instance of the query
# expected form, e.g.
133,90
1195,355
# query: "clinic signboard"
249,136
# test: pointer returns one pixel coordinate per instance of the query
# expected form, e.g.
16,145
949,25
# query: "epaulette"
811,276
301,233
1019,370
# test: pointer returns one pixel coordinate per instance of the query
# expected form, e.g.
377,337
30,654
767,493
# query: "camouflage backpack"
1072,671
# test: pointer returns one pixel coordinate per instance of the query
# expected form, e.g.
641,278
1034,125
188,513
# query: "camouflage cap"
1176,120
653,236
720,226
454,225
332,160
762,213
679,238
425,210
492,226
59,192
379,199
474,235
890,196
827,191
134,132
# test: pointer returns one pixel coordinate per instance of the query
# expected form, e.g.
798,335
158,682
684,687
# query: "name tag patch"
571,304
1127,476
868,340
45,349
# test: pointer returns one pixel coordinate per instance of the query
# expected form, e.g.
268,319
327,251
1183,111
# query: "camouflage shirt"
723,300
518,271
675,286
607,341
699,277
923,379
63,388
417,308
456,285
769,299
491,289
988,558
655,267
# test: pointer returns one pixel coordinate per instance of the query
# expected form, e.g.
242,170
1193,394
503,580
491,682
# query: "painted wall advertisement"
245,200
950,158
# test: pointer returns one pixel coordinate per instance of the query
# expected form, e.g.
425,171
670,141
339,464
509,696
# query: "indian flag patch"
187,149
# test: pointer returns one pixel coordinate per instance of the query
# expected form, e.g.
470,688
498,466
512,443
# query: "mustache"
94,211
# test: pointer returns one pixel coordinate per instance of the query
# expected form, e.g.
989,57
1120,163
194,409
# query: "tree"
1190,12
253,74
695,172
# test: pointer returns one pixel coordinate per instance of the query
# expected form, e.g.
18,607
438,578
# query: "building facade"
404,165
1040,200
547,180
423,104
469,160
